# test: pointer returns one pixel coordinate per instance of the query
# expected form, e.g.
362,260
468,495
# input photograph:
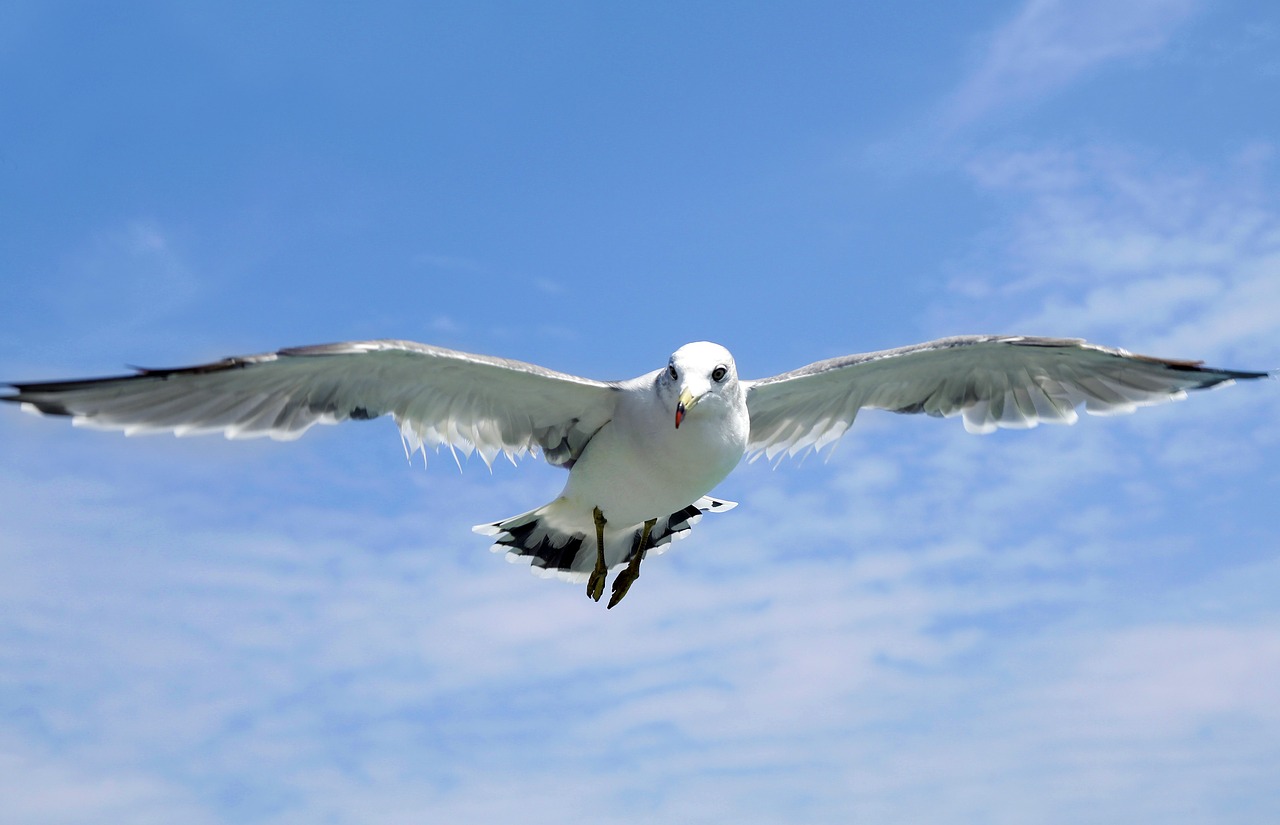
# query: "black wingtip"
1223,376
45,407
1214,375
42,395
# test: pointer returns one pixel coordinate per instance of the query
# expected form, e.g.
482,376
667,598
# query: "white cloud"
45,789
1051,43
895,627
1181,261
1171,680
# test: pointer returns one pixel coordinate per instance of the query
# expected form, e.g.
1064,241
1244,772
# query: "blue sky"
1073,624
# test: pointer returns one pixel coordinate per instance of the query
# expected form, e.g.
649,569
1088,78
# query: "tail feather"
535,538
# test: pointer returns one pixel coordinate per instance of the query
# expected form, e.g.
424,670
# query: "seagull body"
655,458
642,454
666,466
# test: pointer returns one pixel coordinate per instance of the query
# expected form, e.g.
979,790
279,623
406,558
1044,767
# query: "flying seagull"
642,454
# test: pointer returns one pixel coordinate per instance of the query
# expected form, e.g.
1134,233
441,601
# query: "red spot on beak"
679,415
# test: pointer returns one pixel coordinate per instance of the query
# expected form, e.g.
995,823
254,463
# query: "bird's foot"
595,584
623,583
631,572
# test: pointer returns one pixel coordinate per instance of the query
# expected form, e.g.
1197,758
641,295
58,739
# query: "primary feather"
992,381
436,396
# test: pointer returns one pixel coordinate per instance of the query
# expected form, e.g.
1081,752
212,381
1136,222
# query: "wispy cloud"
1164,257
849,619
1051,43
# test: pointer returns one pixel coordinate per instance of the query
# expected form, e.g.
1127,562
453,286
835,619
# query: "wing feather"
472,403
990,381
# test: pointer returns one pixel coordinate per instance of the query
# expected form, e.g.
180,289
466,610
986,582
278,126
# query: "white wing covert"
436,396
992,381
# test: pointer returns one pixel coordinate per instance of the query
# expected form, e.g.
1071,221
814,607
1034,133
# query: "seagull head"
698,372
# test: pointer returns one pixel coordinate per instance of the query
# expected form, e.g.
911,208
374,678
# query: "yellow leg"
632,571
595,584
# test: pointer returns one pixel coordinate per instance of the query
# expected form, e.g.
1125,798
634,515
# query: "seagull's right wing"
991,380
436,396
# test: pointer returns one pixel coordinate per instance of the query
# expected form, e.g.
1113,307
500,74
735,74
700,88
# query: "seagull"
642,454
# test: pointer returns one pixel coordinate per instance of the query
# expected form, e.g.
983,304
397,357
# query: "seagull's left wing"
993,381
437,397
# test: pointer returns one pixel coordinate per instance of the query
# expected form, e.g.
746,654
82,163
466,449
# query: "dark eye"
719,373
671,370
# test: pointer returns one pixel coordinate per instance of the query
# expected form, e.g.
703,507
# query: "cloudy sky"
1073,624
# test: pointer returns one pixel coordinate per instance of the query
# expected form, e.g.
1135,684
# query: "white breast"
640,466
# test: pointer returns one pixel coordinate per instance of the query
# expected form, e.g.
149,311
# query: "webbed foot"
631,572
595,584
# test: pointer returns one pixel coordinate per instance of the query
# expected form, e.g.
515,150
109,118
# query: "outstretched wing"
436,396
992,381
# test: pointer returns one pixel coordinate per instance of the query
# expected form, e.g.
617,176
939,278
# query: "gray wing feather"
991,381
436,396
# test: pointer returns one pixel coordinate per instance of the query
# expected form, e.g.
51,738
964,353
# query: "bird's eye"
719,373
671,370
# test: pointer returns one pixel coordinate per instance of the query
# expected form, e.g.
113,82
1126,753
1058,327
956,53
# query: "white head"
697,373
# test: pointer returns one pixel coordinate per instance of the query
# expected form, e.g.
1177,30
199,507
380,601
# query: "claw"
623,583
595,584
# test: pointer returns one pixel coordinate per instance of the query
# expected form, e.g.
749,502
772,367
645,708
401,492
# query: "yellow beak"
687,401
